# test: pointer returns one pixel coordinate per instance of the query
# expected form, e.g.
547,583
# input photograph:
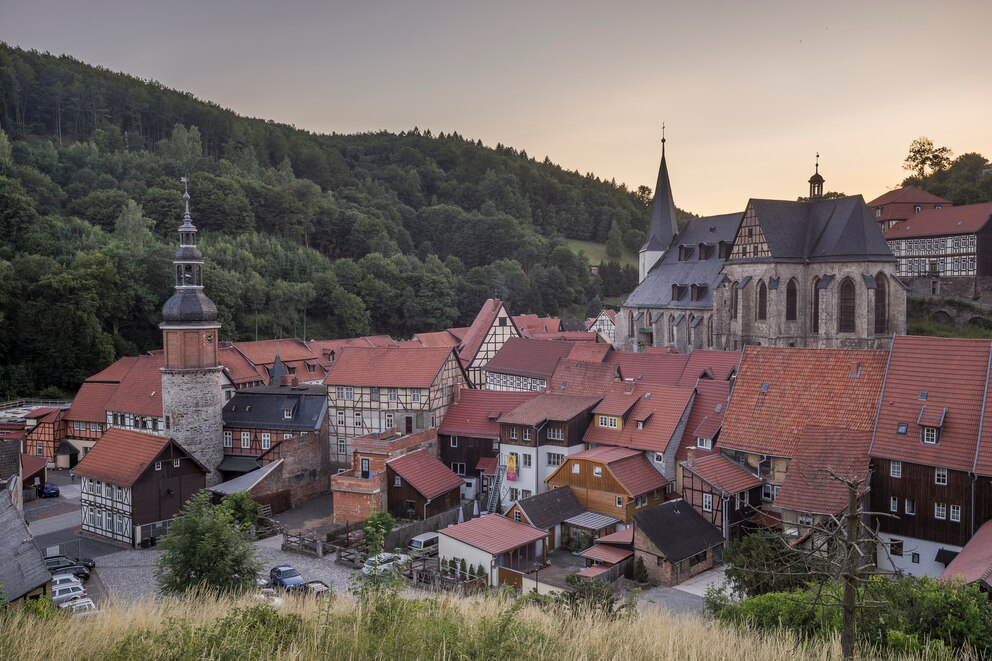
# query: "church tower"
191,379
816,181
662,226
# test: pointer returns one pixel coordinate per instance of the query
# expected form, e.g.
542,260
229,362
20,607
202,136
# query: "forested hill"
304,234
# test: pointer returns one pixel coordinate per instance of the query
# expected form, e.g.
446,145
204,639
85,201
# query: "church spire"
662,226
816,181
188,303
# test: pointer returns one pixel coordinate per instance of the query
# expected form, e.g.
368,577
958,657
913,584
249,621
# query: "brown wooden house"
420,486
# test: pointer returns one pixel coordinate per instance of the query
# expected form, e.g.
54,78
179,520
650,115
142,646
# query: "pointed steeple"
662,226
278,372
188,303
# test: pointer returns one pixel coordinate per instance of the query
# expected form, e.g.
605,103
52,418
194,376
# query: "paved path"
55,523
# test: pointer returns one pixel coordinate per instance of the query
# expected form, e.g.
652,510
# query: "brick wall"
356,499
303,474
660,570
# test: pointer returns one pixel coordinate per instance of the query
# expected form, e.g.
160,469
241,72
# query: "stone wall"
355,499
192,402
964,288
303,474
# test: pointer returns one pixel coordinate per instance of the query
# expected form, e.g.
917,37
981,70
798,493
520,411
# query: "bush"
765,562
640,570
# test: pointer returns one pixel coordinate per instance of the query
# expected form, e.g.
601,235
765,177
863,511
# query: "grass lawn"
596,252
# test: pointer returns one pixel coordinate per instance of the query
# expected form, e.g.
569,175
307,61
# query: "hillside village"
761,358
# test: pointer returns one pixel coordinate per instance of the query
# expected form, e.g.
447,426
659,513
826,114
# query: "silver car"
65,579
66,593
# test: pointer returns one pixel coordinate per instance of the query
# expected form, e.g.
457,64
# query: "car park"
66,560
384,562
80,605
424,544
64,579
79,571
286,577
48,491
65,593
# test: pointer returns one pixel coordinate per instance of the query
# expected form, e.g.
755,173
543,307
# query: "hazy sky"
749,90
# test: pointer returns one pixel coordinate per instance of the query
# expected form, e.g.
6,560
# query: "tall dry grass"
206,627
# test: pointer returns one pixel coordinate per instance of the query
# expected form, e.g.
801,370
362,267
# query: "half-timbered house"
605,324
491,328
723,491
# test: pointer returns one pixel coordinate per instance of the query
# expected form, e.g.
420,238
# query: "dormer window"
930,435
640,424
678,291
902,428
685,252
287,414
724,249
704,443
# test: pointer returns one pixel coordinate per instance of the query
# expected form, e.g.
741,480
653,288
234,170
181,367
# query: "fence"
400,537
308,543
622,568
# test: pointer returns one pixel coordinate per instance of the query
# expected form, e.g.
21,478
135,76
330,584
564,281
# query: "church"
809,273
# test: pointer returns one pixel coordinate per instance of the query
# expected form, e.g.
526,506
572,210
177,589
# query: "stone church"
808,273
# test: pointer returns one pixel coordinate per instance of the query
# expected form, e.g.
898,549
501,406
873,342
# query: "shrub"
640,570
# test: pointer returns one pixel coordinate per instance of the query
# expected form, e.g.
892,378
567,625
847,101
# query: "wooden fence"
400,537
622,568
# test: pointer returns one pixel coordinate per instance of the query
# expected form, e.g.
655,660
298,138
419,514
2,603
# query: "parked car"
80,605
317,589
286,577
65,593
79,571
48,491
64,579
269,596
383,562
424,544
86,562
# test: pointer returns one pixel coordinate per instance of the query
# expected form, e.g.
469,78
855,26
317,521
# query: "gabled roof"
425,473
810,485
582,378
550,508
90,403
943,222
494,533
630,468
593,352
31,465
974,563
900,204
657,409
115,372
437,339
23,567
264,407
263,352
140,391
705,417
709,364
479,329
476,412
677,529
526,357
121,456
723,473
573,326
548,406
781,391
662,367
531,323
950,373
394,367
238,368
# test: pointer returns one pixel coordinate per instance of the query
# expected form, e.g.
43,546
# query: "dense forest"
315,236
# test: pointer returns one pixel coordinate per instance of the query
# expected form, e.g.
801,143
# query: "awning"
592,521
236,463
944,556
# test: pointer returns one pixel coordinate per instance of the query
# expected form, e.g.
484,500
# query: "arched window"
761,310
845,316
671,329
791,300
630,323
814,312
709,332
734,300
881,304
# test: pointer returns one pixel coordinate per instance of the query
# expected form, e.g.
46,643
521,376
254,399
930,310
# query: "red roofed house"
45,433
505,548
605,324
420,486
904,203
524,364
469,435
616,482
648,418
374,389
300,361
723,491
702,431
491,328
927,451
132,485
974,563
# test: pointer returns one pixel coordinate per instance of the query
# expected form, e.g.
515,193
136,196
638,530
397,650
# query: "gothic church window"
815,311
791,300
761,312
845,318
734,300
881,305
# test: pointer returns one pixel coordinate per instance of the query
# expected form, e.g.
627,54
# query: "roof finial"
817,162
663,139
186,216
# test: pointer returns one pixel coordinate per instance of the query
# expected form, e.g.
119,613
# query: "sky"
749,91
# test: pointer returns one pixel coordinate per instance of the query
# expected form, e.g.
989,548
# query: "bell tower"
192,401
816,181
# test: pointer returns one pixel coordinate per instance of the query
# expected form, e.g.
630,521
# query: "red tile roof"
31,465
629,467
40,412
121,456
625,536
901,203
425,473
263,352
649,366
953,373
388,366
810,485
723,473
477,332
579,377
526,357
943,222
974,562
531,323
594,352
707,364
140,391
476,411
706,416
593,572
565,336
494,533
487,465
659,408
610,555
115,372
549,406
90,403
239,369
437,339
779,392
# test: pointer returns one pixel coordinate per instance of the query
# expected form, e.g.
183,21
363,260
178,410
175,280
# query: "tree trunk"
848,634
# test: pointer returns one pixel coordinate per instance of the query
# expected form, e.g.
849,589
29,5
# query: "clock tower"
192,401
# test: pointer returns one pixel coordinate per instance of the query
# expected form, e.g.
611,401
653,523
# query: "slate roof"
659,409
476,412
650,366
549,406
723,473
781,391
527,357
629,467
662,223
494,533
583,378
10,459
394,367
836,229
900,204
263,407
425,473
967,219
974,563
573,325
656,288
245,482
705,417
677,529
550,508
809,485
23,567
121,456
954,374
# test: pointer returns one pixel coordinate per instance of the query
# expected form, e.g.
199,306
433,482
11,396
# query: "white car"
78,606
269,596
384,562
65,593
65,579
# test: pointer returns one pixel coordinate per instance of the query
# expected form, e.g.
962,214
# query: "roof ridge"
981,419
881,395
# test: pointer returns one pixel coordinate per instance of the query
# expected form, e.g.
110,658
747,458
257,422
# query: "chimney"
295,382
690,453
286,380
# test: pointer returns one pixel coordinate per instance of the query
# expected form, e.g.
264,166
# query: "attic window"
647,395
287,414
855,370
930,435
924,394
902,428
719,407
640,424
564,384
764,388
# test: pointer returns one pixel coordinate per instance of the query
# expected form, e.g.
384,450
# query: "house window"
791,300
575,468
228,439
902,428
659,458
415,396
516,516
175,463
358,418
555,458
915,558
597,471
458,467
95,426
848,303
910,507
940,476
894,504
895,547
704,443
245,440
513,432
119,494
761,310
286,437
556,434
345,392
641,501
389,420
895,469
527,460
514,493
342,446
392,394
311,368
940,511
340,418
158,466
266,440
707,502
930,435
453,442
39,449
956,513
619,501
768,492
805,520
374,394
526,434
397,481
